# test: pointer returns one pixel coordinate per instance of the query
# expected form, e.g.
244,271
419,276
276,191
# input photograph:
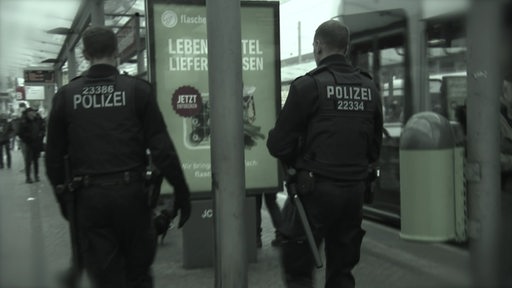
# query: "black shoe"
29,181
37,179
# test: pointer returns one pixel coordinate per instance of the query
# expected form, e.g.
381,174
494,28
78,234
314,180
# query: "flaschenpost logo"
169,19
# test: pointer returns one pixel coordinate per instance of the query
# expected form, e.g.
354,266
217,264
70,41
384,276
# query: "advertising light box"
179,70
39,76
34,92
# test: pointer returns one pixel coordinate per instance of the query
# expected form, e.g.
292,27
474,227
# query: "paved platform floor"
34,247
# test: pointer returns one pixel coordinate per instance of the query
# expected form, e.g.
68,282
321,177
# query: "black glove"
163,220
181,204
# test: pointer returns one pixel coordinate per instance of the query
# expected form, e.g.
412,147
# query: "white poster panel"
34,92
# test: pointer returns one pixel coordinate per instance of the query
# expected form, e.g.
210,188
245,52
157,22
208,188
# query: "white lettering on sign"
187,99
202,174
252,63
251,46
207,213
188,46
191,54
188,64
193,19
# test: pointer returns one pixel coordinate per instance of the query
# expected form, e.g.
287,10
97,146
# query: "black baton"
292,192
76,257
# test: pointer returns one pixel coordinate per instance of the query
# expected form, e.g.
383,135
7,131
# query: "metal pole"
483,168
376,64
58,77
139,46
227,146
299,39
98,13
417,65
72,64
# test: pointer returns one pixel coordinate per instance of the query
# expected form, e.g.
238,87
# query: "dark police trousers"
335,214
117,238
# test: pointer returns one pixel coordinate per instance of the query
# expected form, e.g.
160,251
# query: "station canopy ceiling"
32,32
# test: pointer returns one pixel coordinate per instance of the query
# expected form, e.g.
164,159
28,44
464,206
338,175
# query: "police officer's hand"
183,206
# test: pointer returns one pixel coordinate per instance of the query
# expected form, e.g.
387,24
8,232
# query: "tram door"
378,46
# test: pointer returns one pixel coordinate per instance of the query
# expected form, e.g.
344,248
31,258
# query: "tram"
414,51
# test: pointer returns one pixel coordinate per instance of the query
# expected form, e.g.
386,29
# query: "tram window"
435,95
386,63
285,88
378,46
391,76
446,50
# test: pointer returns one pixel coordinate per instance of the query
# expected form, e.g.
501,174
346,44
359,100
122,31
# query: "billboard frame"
150,35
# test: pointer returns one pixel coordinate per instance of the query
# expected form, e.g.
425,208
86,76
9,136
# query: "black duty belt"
324,178
117,178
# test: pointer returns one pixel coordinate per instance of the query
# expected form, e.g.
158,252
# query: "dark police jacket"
105,122
331,123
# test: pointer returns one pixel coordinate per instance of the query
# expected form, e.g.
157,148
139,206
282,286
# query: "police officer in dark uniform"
330,131
104,122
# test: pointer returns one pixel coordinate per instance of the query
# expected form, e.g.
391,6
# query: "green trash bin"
427,179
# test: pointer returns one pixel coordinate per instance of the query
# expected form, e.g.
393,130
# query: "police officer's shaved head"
331,37
333,34
99,42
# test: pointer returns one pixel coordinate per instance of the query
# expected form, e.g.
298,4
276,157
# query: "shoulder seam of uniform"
317,70
367,74
76,77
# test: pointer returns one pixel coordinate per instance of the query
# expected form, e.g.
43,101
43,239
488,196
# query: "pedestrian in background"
32,130
6,133
275,216
106,146
330,131
15,142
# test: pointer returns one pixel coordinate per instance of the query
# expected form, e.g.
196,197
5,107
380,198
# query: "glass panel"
446,52
384,58
284,93
392,84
